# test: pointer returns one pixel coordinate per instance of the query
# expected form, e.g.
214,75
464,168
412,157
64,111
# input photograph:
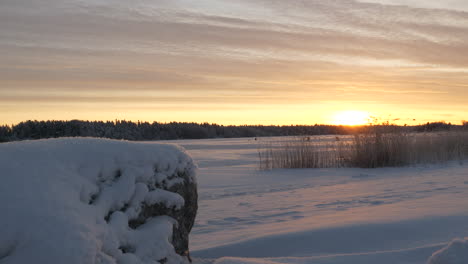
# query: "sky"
233,61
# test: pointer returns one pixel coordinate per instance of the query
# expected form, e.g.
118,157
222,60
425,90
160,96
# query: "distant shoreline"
144,131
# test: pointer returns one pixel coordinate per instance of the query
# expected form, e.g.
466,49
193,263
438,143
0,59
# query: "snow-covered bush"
454,253
86,201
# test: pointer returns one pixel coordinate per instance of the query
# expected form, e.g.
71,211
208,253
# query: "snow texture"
455,253
321,216
70,201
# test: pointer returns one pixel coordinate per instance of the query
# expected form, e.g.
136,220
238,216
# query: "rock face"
185,216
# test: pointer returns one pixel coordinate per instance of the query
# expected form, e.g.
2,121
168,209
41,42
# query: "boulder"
89,201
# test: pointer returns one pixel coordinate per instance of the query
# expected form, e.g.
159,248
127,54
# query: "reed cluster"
370,149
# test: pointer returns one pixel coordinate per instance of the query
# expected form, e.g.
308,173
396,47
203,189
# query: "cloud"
296,47
456,5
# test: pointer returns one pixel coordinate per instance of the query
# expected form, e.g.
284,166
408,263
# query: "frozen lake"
391,215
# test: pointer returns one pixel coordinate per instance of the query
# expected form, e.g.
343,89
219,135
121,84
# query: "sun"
351,118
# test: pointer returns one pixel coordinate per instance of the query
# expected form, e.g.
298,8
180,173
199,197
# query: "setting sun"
351,118
234,131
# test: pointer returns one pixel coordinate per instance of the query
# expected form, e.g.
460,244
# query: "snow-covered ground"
392,215
364,216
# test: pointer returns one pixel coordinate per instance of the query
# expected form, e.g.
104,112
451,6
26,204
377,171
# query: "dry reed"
366,150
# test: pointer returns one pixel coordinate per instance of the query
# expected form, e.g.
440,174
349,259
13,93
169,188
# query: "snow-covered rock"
87,201
454,253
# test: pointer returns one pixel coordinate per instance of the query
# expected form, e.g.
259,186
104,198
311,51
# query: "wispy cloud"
302,51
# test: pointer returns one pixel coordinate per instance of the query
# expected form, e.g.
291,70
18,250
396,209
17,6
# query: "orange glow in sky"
234,62
351,118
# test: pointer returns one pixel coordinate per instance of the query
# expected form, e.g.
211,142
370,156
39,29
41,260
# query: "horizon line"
461,123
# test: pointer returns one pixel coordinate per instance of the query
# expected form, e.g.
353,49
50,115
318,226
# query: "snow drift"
454,253
83,200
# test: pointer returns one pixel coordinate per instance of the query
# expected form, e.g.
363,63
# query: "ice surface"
385,216
63,200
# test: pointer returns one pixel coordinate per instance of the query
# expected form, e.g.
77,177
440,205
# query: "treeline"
163,131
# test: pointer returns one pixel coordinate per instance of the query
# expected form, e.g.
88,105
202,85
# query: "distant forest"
163,131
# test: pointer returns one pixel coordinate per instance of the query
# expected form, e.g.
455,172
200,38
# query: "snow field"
365,216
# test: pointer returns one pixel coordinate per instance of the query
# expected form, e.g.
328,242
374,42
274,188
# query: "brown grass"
372,149
301,153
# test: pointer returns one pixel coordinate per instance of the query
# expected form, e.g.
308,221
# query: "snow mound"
454,253
71,200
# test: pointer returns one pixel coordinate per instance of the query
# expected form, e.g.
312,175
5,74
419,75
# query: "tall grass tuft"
376,148
300,153
371,149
